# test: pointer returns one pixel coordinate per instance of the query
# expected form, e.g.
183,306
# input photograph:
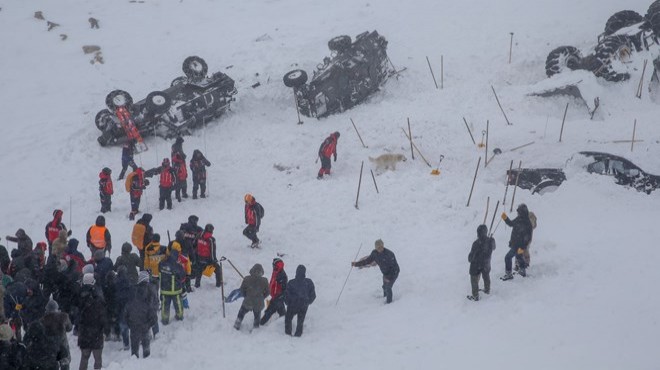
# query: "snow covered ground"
590,301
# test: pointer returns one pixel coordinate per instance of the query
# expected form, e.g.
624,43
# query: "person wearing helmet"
278,281
184,261
254,212
167,184
53,228
105,189
328,148
479,259
127,152
521,235
205,247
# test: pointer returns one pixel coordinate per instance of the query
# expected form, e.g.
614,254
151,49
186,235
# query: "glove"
504,216
353,264
18,307
520,251
146,182
335,158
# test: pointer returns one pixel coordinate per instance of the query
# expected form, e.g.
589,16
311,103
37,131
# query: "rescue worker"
386,260
167,184
105,189
142,234
328,148
179,165
198,165
300,293
278,281
254,212
177,245
206,256
127,152
54,227
171,287
255,289
521,236
154,254
138,184
98,236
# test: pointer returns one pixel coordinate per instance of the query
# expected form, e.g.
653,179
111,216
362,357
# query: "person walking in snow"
105,189
521,235
254,212
179,165
254,289
479,258
127,152
172,276
98,236
278,282
206,256
386,260
91,322
167,184
137,185
300,293
198,165
131,261
140,316
328,148
154,254
142,235
54,227
56,325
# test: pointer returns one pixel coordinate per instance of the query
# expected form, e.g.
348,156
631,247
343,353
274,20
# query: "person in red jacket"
198,165
138,184
179,165
328,148
206,256
167,184
105,189
54,227
253,214
278,282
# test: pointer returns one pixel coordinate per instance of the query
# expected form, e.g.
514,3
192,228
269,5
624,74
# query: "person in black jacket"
23,240
198,165
127,152
521,235
4,259
479,259
172,277
299,294
90,324
41,350
11,351
34,306
141,316
56,325
386,260
191,231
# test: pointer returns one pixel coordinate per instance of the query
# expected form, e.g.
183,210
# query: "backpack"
259,210
532,220
129,180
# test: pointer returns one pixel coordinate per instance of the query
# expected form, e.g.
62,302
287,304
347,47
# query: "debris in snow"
264,37
51,25
89,49
39,15
93,22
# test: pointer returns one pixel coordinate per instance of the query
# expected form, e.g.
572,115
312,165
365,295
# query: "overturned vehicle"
626,34
356,70
190,101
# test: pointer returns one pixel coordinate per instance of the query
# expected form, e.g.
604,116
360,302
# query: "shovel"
436,171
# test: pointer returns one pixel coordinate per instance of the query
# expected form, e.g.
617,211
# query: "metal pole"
486,152
469,131
431,69
492,220
410,138
561,132
633,138
374,178
349,275
359,184
235,269
498,103
487,205
473,181
222,288
510,46
442,72
507,184
358,133
513,197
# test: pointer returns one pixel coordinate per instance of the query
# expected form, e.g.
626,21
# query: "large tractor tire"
340,43
117,99
195,68
562,58
295,78
158,102
622,19
611,49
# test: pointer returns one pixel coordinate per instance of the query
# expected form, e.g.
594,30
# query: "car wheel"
158,102
103,120
545,187
340,43
613,48
295,78
195,68
117,99
621,20
179,81
653,17
562,58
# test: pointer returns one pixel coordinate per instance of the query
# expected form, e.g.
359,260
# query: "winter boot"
507,276
473,298
237,324
522,272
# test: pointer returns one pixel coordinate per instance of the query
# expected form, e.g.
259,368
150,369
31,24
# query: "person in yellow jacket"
153,255
98,236
184,261
142,234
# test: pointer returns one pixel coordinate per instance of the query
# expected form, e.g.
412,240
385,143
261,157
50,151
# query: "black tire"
158,102
103,120
653,9
562,58
653,17
179,81
609,49
621,20
295,78
340,43
195,68
117,99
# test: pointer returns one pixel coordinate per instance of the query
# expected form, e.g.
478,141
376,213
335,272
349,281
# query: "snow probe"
632,143
486,149
358,133
349,275
432,75
359,184
469,131
513,197
222,286
498,103
473,181
507,185
374,178
486,214
561,132
232,265
412,153
416,148
492,220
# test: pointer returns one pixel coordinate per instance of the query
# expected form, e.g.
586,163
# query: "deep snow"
590,299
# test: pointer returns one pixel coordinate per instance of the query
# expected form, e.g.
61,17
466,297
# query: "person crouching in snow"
386,260
255,289
278,282
328,148
479,259
300,293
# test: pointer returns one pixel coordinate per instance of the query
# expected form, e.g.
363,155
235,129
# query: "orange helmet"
249,198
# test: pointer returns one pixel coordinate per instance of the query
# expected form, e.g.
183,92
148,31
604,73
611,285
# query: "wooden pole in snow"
358,133
492,220
374,178
632,143
473,181
641,81
416,148
486,152
561,133
498,103
432,75
513,197
487,205
411,143
359,184
510,46
507,183
469,131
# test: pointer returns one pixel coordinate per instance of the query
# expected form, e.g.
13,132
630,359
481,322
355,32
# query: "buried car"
626,173
356,70
190,101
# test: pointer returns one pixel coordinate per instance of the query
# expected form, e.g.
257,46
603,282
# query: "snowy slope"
589,301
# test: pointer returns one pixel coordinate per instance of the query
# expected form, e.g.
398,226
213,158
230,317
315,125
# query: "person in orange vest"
142,235
179,165
328,148
138,184
53,228
167,184
105,189
254,212
98,236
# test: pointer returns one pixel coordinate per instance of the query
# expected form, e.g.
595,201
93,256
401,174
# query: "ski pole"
349,275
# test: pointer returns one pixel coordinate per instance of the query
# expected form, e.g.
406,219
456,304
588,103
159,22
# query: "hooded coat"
60,244
140,313
92,319
54,226
72,254
255,289
300,292
132,262
34,306
521,232
23,240
41,350
100,223
481,251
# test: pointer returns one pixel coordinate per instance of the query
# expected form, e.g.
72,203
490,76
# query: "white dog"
387,161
